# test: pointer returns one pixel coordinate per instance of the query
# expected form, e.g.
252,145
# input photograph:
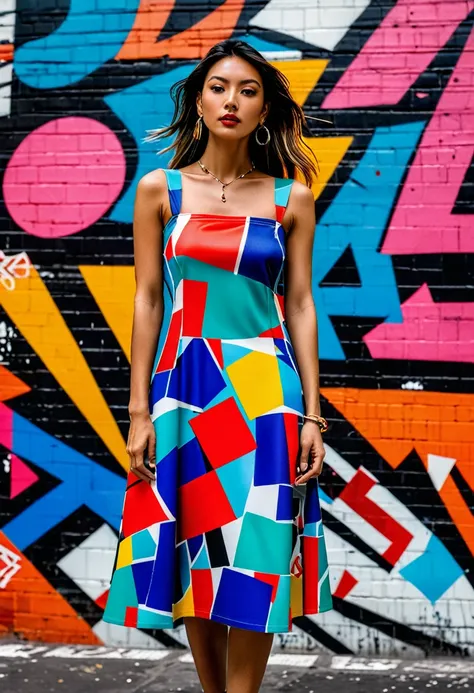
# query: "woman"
218,531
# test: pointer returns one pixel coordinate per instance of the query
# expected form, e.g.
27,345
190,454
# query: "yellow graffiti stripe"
31,307
303,76
329,152
113,289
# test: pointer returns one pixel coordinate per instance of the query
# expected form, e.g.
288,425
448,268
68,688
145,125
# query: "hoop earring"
197,132
262,127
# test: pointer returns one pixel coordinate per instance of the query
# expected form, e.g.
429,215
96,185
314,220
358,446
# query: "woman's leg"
247,658
208,642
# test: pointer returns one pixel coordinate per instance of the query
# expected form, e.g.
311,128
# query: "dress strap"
282,194
173,181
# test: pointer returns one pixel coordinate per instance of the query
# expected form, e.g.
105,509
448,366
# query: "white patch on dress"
178,298
167,404
216,574
231,534
263,501
181,221
283,409
243,241
265,345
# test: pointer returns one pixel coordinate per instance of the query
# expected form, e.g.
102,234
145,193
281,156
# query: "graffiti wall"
80,83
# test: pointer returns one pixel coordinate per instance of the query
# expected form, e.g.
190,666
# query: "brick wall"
80,82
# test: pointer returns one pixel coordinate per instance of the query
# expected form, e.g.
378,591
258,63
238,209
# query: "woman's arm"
301,320
147,315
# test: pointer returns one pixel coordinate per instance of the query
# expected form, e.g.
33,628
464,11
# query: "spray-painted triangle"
21,476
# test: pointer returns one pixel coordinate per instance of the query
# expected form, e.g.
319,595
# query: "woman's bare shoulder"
300,193
153,182
152,190
301,209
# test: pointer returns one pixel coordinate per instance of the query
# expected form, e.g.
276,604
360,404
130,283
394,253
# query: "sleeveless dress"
222,533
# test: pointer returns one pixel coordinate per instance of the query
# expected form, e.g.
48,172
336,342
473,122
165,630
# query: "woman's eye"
248,92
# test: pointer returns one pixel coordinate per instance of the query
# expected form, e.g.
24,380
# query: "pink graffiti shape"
6,426
429,332
408,39
422,221
63,177
21,476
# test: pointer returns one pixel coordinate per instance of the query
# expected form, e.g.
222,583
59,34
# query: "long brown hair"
286,151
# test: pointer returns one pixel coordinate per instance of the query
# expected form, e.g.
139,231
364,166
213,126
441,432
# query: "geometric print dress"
222,533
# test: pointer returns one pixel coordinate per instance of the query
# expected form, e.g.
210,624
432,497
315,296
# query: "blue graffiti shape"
143,107
268,47
92,33
357,218
83,483
434,571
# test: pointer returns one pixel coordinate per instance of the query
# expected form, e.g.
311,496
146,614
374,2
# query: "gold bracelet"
320,420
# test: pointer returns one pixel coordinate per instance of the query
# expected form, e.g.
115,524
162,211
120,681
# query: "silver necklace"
224,185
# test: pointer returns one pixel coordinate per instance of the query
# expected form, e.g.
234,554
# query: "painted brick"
396,340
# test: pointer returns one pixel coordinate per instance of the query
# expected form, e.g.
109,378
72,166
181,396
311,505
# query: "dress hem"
226,621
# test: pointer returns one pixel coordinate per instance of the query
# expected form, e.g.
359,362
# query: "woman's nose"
231,100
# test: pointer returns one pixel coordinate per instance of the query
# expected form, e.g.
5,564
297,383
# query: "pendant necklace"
224,185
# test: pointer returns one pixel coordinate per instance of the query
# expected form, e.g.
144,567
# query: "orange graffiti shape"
143,40
438,426
6,52
31,608
10,385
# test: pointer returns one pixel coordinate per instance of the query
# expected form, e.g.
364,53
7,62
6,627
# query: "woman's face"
232,87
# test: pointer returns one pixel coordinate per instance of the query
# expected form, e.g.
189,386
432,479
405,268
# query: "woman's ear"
265,111
199,103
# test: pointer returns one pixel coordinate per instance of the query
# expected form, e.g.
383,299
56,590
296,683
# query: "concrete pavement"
26,668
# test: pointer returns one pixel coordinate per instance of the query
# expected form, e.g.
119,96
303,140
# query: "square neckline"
234,217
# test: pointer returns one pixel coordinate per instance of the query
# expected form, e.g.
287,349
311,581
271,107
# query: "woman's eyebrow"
242,81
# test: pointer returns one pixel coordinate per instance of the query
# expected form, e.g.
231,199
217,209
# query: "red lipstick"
229,120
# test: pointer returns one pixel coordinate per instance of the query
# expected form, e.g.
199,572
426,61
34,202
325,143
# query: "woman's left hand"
312,449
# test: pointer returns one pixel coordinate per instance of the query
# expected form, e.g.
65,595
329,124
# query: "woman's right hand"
141,439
